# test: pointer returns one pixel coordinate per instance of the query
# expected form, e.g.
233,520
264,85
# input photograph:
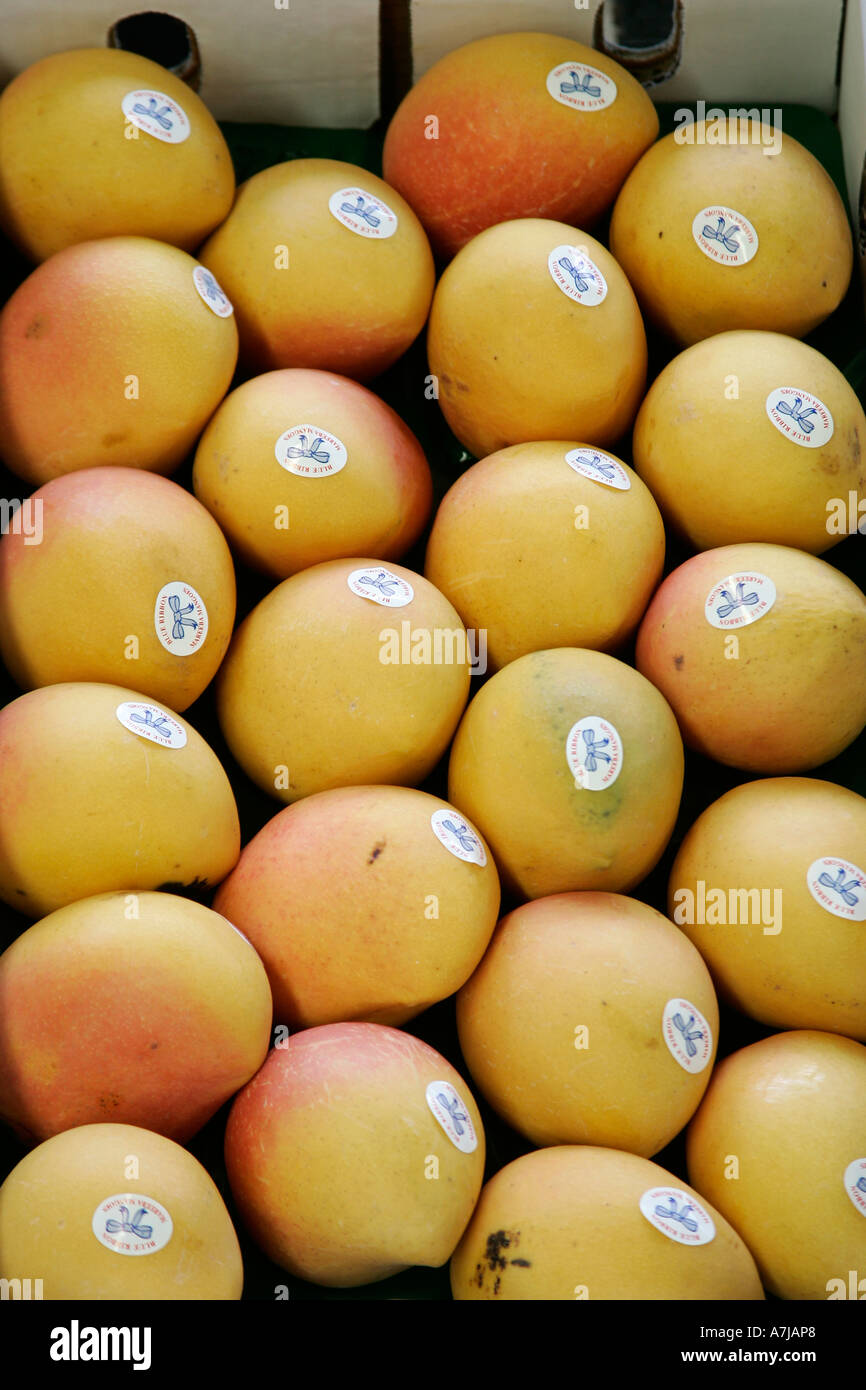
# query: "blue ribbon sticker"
678,1215
581,87
739,599
157,115
363,213
724,235
382,586
452,1115
687,1034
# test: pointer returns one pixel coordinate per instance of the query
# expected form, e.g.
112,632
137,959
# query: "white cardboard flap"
315,62
439,26
764,51
852,100
768,53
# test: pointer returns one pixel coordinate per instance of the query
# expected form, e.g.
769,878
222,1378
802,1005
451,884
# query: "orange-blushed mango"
355,1152
367,903
112,352
761,651
516,125
142,1008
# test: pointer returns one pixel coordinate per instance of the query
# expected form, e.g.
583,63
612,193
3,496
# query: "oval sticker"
457,835
381,586
599,466
739,599
363,213
157,115
130,1224
593,751
310,452
799,415
725,235
452,1115
839,886
687,1034
577,275
151,722
581,87
678,1215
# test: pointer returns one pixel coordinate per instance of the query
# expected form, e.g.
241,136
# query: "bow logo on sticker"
463,834
684,1026
367,214
180,619
724,234
731,604
838,885
154,112
458,1116
594,749
579,86
315,451
601,466
133,1226
580,277
797,414
211,288
680,1216
160,724
381,581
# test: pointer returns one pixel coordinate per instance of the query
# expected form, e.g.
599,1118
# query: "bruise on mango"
495,1260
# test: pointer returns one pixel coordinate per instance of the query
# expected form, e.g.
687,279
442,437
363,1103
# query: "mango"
571,766
368,903
98,142
547,545
104,791
111,1211
326,265
751,436
770,885
355,1152
111,354
580,1222
74,1051
535,334
779,1146
132,580
738,226
347,674
761,651
525,125
299,467
587,1022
